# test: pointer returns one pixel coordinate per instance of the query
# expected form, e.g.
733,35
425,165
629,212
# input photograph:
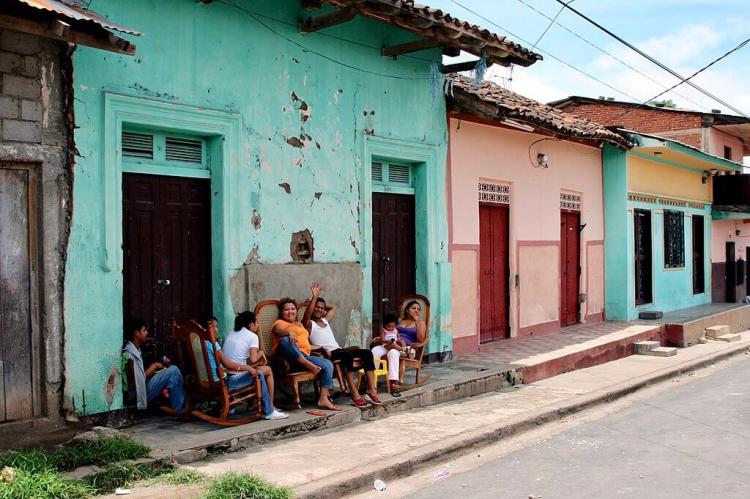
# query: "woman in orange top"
291,341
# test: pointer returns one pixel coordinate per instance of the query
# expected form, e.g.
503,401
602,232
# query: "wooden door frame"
35,264
506,305
579,268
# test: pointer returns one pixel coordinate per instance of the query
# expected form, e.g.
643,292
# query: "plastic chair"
381,369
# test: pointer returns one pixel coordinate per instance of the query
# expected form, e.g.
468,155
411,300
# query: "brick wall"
34,131
646,120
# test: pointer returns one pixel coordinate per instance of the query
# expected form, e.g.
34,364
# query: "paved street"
688,441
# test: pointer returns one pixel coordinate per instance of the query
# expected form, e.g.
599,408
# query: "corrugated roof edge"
73,12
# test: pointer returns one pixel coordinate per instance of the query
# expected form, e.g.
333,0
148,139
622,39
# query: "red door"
167,251
393,253
570,256
493,277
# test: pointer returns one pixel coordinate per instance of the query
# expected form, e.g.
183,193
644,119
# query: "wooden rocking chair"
266,313
416,362
200,385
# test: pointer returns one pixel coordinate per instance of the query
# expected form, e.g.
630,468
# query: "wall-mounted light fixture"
541,160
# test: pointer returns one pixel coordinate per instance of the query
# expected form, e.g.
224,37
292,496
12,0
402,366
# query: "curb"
408,463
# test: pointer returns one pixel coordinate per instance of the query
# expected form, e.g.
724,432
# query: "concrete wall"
724,231
34,130
292,136
489,153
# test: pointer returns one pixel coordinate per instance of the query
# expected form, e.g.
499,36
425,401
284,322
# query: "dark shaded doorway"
731,277
393,253
643,262
699,255
167,251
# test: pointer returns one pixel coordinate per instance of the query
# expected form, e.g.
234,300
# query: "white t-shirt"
323,336
238,344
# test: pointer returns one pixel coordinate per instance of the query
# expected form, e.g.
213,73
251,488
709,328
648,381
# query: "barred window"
674,239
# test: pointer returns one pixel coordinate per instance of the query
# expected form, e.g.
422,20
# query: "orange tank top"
303,335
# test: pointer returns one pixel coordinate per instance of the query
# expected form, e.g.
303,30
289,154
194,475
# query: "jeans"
289,351
243,379
171,379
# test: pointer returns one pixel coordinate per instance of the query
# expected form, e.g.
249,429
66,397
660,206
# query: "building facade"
527,216
251,149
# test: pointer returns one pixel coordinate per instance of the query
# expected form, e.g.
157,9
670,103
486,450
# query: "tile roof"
492,102
434,23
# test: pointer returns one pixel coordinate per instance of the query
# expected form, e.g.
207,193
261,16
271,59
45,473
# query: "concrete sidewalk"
333,463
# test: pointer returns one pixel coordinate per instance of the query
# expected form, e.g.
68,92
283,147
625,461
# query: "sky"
683,34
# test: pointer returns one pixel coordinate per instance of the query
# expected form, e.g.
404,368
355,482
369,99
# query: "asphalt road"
690,441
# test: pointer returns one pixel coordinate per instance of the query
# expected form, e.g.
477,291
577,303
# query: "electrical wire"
552,56
735,49
551,22
603,51
650,58
257,19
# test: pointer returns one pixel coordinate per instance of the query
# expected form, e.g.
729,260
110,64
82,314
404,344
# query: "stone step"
644,347
662,351
716,331
729,338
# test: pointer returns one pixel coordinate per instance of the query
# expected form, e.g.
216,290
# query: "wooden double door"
570,267
494,272
393,253
167,252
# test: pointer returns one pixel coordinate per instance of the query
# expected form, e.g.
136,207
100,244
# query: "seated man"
322,339
240,375
150,383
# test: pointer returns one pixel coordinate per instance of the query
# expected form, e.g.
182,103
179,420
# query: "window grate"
137,145
398,174
674,239
185,150
377,172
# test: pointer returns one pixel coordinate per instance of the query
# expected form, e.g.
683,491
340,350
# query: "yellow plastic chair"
381,369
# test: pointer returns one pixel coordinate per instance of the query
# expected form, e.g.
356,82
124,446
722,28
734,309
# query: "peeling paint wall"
305,120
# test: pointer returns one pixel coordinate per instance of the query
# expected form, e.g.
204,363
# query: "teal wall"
672,289
251,91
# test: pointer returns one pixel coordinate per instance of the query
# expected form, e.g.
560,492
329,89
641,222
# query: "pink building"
526,224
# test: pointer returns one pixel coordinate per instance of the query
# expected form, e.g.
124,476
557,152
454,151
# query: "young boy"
150,383
389,334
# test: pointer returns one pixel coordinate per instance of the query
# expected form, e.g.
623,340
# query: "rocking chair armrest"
420,344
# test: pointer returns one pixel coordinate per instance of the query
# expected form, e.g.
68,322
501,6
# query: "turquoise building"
657,242
249,148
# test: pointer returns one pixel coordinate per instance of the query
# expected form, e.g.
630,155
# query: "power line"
642,53
735,49
551,22
487,20
603,51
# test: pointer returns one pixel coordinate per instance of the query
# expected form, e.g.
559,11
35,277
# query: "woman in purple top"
411,327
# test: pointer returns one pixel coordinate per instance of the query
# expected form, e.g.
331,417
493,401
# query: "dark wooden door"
699,256
747,270
642,234
493,272
393,253
570,269
167,251
731,269
18,303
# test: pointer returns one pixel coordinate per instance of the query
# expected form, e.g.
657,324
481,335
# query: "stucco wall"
717,139
485,152
306,123
648,177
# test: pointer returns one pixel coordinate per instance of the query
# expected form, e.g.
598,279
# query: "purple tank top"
408,334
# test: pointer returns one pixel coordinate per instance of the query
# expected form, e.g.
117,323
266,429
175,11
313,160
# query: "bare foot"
328,405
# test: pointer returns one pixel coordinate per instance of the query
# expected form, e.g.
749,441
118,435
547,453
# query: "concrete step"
716,331
644,347
729,337
662,351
